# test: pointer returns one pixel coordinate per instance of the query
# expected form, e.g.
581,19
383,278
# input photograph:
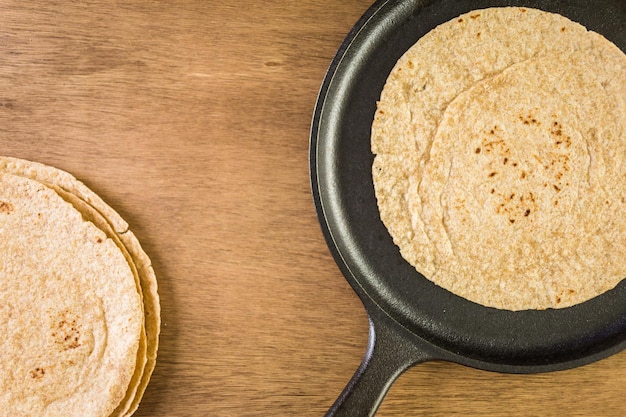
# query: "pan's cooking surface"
341,163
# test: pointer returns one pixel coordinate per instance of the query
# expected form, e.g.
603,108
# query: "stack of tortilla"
500,168
78,300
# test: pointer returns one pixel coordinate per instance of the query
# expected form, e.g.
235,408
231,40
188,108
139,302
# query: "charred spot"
6,207
527,120
460,20
527,212
556,187
558,299
491,132
475,16
492,174
522,10
514,164
99,240
505,161
563,29
512,221
523,175
478,35
73,343
37,373
493,190
512,196
477,150
66,331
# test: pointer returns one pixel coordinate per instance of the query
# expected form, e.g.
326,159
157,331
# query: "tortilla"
500,139
92,215
69,304
94,210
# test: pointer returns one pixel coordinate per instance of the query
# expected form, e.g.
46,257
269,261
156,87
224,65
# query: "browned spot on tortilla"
66,331
37,373
529,119
6,207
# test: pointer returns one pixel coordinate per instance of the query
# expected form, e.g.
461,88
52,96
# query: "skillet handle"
389,353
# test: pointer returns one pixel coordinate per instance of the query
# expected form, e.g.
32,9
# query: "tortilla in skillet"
500,142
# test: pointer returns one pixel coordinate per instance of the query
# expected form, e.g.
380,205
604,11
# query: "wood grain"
192,118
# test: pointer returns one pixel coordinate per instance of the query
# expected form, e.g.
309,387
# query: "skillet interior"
523,341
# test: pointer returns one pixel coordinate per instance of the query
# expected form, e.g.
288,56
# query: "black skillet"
411,319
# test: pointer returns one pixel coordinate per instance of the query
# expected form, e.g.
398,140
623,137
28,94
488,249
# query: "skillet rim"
488,342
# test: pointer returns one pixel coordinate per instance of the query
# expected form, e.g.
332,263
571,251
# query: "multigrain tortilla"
500,171
94,212
69,307
94,209
92,215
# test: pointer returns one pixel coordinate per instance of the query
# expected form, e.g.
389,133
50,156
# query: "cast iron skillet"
411,319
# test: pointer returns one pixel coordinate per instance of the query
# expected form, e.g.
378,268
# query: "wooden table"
191,118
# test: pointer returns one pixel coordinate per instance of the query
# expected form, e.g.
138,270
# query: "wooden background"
191,118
